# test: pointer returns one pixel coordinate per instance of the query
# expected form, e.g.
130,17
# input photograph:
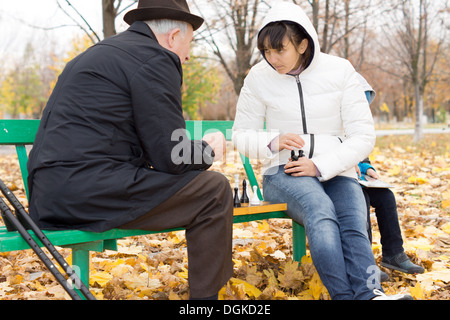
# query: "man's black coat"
103,152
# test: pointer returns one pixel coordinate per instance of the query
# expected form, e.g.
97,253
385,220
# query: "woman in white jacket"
308,100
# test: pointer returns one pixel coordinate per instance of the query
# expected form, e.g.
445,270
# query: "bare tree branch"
78,24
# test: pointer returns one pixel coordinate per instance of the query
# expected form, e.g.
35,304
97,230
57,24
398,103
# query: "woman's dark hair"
272,36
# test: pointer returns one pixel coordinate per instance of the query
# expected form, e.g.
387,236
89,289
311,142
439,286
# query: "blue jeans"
335,219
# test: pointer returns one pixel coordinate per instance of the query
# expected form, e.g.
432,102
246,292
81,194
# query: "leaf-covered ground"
155,266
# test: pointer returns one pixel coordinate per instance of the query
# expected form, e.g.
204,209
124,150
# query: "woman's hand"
289,141
303,167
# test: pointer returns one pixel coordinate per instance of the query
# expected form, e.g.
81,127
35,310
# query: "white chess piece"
255,200
236,182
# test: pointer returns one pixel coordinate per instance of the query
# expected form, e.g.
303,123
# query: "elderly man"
104,155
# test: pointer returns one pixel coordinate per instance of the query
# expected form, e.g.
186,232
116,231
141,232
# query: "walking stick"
20,223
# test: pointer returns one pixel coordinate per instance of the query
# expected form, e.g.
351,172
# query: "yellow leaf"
102,278
16,279
395,171
273,282
417,292
107,264
237,263
316,286
250,290
278,294
384,108
291,276
183,274
445,200
145,266
38,286
222,293
305,295
175,237
306,260
446,227
133,281
445,204
421,243
263,226
417,180
120,270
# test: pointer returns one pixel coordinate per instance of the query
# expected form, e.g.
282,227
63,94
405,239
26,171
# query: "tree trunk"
109,17
418,127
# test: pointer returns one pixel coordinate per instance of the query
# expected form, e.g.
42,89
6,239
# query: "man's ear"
171,36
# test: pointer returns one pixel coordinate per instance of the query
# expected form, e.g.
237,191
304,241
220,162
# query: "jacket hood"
288,11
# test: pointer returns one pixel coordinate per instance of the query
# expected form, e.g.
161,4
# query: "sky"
43,23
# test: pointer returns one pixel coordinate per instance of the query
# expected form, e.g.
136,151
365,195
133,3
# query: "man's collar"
142,28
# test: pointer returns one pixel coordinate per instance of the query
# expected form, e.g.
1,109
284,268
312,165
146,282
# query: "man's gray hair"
163,26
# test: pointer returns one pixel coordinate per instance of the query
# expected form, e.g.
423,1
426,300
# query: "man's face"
181,44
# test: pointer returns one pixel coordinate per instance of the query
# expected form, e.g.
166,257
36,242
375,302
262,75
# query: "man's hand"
303,167
288,141
217,142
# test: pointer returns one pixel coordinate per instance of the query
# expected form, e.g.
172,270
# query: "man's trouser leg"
205,208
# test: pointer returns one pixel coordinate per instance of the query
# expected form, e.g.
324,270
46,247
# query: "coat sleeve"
358,127
249,136
160,126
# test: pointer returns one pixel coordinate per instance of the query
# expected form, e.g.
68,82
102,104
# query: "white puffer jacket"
339,129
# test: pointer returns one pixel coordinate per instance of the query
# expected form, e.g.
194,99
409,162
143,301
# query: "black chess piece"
237,203
295,157
244,197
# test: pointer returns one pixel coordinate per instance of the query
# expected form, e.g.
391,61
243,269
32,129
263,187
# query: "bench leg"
80,262
298,241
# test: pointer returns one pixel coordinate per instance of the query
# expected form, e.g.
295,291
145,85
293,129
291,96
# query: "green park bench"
22,132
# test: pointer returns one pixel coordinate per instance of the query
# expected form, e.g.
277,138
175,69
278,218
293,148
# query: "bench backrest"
22,132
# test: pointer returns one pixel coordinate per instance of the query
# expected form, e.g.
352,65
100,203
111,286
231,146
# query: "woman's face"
287,58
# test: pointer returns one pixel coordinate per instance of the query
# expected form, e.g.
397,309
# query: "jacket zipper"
302,109
302,104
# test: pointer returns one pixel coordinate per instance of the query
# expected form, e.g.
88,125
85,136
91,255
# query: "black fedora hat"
163,9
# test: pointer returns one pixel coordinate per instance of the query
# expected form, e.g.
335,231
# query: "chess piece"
237,203
236,181
255,200
295,157
244,197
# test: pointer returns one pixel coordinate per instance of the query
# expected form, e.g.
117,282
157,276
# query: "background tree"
372,34
201,84
413,38
22,91
230,33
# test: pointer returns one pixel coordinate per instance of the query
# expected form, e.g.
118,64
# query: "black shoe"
401,263
383,276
